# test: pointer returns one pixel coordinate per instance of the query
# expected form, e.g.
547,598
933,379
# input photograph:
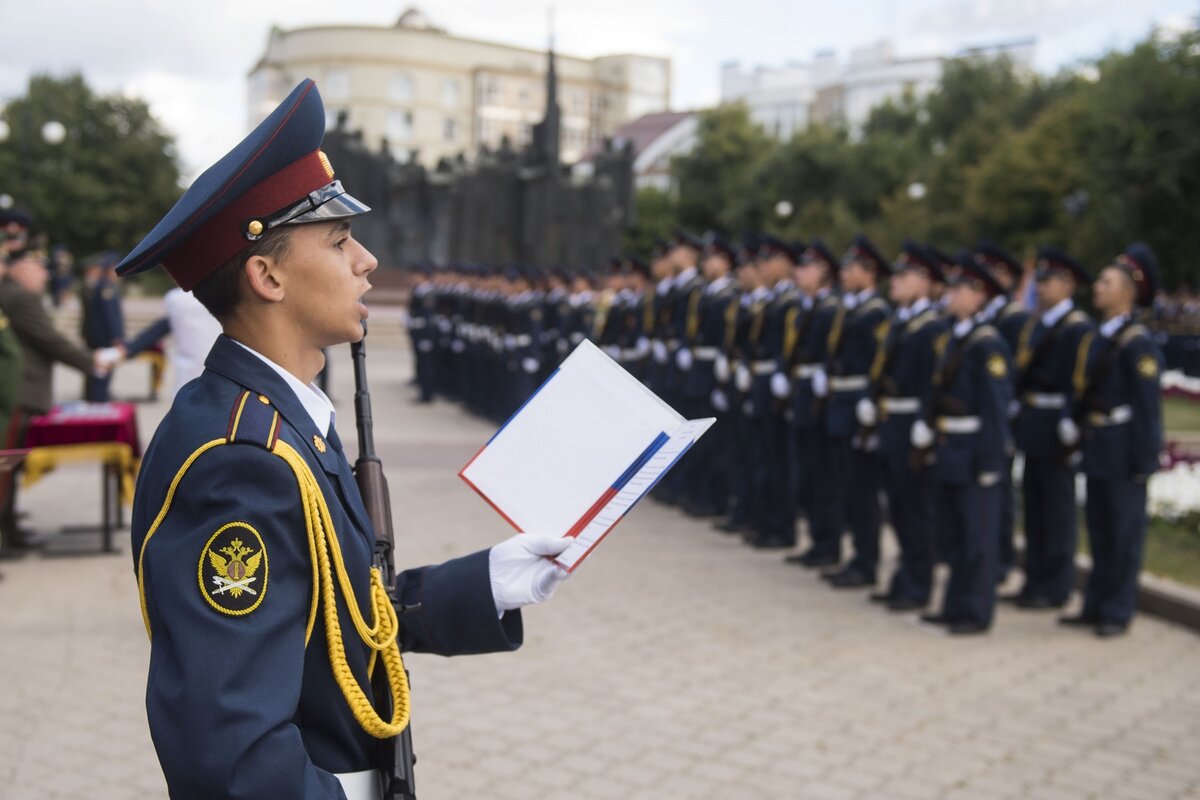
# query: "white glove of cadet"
921,436
522,570
659,349
742,378
820,383
1068,432
719,401
866,413
721,369
530,365
780,386
683,359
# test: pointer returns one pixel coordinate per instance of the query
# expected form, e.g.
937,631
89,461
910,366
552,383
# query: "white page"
555,459
634,490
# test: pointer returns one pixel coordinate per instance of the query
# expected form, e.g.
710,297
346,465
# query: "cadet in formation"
838,411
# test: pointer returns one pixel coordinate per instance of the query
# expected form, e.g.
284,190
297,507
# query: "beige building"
418,88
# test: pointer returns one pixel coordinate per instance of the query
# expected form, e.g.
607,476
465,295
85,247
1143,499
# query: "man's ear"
264,277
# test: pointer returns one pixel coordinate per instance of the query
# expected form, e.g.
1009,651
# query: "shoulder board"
921,320
829,301
981,334
1131,332
1077,317
875,303
253,420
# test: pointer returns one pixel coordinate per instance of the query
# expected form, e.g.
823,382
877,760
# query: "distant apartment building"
417,89
784,100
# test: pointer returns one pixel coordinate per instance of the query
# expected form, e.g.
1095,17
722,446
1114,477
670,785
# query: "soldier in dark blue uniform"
902,384
848,365
246,507
1009,315
706,483
422,330
1051,363
966,428
803,357
686,288
1120,413
103,320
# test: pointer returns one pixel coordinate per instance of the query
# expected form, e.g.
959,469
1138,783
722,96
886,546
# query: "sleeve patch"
1147,366
996,366
233,569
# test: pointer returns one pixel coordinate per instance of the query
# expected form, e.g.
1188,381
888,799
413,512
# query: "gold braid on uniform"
381,636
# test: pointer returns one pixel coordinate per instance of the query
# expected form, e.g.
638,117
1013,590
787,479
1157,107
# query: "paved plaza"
676,663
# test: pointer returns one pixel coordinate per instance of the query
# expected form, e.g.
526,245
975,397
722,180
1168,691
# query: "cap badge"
325,163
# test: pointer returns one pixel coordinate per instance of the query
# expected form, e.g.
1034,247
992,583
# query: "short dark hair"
221,290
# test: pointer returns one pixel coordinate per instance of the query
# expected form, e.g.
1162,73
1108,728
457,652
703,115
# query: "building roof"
643,131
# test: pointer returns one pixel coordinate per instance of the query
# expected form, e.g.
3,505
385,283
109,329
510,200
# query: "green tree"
656,216
113,175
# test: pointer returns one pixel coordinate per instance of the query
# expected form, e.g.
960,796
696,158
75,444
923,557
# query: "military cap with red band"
1141,265
1051,261
864,251
995,258
974,274
275,176
918,259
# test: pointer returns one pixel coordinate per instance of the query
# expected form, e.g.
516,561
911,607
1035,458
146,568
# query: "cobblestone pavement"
675,664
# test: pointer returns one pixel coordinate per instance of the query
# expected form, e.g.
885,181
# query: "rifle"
397,757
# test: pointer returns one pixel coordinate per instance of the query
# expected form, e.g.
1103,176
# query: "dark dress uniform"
970,413
747,328
103,326
851,446
904,390
423,333
1051,364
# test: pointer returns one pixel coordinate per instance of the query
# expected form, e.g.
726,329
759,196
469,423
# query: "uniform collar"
1050,318
315,402
963,327
994,305
685,276
718,284
1109,328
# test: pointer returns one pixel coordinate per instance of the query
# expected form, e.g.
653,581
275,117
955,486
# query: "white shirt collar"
1109,328
717,285
1050,318
963,327
993,307
315,402
685,276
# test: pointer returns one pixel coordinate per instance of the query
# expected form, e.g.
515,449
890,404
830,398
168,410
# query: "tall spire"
547,132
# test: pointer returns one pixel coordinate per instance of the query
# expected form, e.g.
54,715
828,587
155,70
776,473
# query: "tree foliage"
1089,159
109,180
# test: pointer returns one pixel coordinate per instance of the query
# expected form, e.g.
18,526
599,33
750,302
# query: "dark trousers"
1008,513
910,508
1116,529
827,518
972,513
863,513
95,388
777,520
741,477
13,438
705,489
1050,530
801,458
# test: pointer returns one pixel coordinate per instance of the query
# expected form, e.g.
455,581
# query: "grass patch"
1172,549
1180,415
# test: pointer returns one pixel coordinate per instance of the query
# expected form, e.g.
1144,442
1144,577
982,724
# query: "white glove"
780,386
721,369
510,341
108,357
1068,432
613,352
866,413
742,378
820,383
642,347
661,354
719,401
921,436
1014,408
530,365
683,359
522,570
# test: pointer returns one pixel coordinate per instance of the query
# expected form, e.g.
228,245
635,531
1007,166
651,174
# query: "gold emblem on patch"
325,163
1147,366
996,366
319,443
231,566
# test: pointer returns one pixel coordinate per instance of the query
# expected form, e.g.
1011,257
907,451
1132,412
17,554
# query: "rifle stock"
397,754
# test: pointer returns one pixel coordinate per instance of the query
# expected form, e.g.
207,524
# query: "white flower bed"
1175,493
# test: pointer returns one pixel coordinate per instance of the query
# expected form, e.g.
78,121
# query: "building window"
400,87
399,125
337,84
450,93
524,97
449,130
489,91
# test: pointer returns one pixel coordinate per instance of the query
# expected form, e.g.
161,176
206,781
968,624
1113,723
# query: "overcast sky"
189,60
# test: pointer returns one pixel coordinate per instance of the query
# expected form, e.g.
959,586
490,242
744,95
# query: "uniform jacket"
1050,361
852,355
905,367
711,327
1123,382
806,351
972,379
240,705
41,345
103,320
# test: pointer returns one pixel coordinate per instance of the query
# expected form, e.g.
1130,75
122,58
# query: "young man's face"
1113,290
964,300
30,273
325,272
1052,289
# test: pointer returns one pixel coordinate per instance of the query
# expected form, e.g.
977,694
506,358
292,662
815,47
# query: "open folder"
583,450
